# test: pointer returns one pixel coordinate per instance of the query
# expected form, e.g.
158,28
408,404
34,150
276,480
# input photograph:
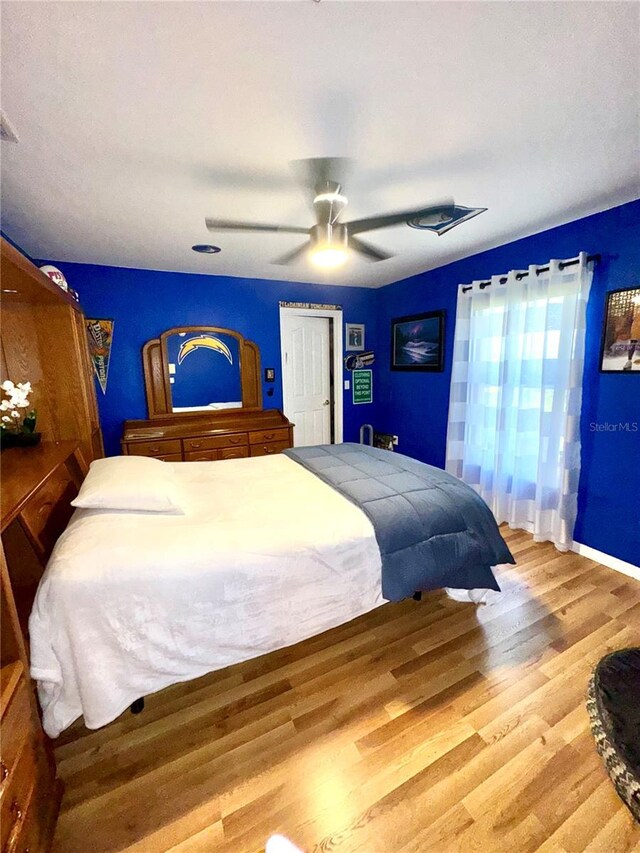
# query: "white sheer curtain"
516,393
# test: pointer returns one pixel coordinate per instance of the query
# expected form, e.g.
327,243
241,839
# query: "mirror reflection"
204,371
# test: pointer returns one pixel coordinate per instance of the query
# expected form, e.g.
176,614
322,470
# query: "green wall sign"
362,386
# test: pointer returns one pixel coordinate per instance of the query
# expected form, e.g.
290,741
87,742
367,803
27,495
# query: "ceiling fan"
330,241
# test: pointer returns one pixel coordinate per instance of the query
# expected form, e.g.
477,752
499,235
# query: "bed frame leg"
137,707
417,596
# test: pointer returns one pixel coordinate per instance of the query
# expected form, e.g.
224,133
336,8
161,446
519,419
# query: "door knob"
326,403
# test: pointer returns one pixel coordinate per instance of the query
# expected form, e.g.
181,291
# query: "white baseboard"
607,560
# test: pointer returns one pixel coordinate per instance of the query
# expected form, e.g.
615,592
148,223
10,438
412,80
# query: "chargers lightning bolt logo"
206,341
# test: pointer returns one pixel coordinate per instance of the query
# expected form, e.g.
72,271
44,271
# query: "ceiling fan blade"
441,212
232,225
371,253
292,256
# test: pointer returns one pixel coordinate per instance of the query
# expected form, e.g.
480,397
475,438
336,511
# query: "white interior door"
306,353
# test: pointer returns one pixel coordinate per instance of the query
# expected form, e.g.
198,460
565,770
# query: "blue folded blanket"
432,529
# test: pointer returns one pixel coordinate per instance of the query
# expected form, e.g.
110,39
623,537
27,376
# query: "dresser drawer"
201,455
164,447
16,724
16,797
49,511
264,435
269,447
233,452
219,453
26,835
211,442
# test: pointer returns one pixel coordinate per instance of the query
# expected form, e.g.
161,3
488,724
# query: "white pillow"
130,483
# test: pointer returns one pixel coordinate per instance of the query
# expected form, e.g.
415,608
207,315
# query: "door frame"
336,326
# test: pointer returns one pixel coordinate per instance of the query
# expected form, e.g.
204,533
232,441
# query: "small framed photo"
417,342
620,351
355,337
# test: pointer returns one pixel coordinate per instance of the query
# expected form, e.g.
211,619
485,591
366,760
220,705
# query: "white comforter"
266,555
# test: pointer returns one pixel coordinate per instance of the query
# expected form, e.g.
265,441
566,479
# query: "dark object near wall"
383,440
613,702
417,342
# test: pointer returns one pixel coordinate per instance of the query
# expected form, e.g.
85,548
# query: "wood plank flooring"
430,726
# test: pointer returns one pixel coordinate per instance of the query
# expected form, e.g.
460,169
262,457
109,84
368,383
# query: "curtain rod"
590,259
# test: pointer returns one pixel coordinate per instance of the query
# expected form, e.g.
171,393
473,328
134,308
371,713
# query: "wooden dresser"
219,435
38,484
208,434
44,341
29,793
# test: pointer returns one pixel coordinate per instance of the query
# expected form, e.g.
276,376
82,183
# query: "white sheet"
234,404
267,555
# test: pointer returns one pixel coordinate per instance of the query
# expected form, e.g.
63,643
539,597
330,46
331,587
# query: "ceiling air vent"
7,131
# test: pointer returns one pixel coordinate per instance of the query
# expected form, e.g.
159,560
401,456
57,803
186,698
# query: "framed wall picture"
620,351
355,337
417,342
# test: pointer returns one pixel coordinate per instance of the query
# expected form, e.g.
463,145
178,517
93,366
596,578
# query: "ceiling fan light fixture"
329,257
331,198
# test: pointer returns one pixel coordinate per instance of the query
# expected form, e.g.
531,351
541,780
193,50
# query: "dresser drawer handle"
235,439
45,507
155,449
269,435
3,771
16,810
196,445
16,827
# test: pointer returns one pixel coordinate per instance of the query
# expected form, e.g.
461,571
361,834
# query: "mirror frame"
156,373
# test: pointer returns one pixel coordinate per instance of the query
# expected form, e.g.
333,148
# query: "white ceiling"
138,119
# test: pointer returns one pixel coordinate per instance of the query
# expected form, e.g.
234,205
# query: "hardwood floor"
430,726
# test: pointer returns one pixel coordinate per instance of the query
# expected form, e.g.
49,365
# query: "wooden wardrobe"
43,340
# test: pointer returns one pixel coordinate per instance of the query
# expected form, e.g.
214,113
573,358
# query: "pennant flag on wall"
100,333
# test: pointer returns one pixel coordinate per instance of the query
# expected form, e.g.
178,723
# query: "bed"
269,551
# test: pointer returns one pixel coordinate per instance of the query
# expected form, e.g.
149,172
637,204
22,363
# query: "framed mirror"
192,370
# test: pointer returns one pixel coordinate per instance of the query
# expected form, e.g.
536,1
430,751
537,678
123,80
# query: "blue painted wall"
145,303
416,405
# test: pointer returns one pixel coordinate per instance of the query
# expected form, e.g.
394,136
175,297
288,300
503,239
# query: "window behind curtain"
516,396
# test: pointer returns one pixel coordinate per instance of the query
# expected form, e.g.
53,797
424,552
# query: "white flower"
6,419
17,397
